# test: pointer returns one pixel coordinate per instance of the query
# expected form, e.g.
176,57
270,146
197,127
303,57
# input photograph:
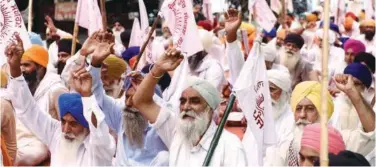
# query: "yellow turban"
368,22
312,91
3,79
115,66
36,54
348,23
249,27
362,16
311,17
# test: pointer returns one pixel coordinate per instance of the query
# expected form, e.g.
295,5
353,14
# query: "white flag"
263,14
370,9
88,15
136,34
252,91
143,16
207,10
276,6
340,12
180,19
11,24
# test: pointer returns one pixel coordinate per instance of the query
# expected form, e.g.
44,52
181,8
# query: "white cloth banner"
136,34
180,20
252,91
88,15
263,14
370,9
11,24
207,10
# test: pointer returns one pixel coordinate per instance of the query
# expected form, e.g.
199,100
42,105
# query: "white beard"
278,107
67,152
289,60
193,130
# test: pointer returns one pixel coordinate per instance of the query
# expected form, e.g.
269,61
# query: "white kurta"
370,45
211,71
229,151
98,147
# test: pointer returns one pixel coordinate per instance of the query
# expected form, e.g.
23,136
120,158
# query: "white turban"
205,89
332,35
280,78
268,52
206,38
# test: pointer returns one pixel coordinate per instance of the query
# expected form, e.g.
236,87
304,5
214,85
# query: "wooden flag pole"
147,41
30,17
75,34
104,14
324,160
283,14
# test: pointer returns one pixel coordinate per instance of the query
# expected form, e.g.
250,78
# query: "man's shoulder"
231,140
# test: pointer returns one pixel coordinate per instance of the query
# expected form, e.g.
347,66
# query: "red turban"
311,138
205,24
351,14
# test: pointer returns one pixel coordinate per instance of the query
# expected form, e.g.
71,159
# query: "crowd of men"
92,109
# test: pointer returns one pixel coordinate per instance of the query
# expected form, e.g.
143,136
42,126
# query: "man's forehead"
69,117
271,84
305,102
190,93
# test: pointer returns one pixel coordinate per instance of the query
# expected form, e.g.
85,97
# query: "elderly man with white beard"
300,70
138,144
81,138
306,103
280,91
188,135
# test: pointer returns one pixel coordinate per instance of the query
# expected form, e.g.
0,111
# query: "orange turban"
311,17
3,79
281,33
132,61
36,54
348,23
362,16
368,22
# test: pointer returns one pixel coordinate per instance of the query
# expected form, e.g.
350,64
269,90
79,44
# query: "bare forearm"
364,110
143,98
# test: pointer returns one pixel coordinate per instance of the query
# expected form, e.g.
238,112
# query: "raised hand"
233,20
14,52
345,83
103,49
82,81
50,25
170,60
89,45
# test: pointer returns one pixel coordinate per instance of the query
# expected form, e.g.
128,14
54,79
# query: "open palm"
14,52
233,20
170,60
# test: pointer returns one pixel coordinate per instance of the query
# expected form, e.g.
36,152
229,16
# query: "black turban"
65,45
295,39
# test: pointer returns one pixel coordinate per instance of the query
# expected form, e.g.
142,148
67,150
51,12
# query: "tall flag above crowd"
11,24
88,15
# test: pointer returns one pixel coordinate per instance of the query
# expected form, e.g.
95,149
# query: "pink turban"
311,139
355,45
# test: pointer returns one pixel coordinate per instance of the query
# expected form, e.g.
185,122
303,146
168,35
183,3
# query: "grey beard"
134,126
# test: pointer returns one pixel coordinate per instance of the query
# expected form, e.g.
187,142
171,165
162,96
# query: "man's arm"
366,114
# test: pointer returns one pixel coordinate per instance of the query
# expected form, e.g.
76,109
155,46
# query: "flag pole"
75,34
104,14
283,14
218,132
147,41
324,161
30,17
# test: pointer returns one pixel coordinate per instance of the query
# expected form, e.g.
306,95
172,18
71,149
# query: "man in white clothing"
188,135
45,87
280,88
81,138
305,103
368,38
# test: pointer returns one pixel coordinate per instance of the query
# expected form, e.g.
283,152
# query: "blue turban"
360,72
35,39
272,33
130,52
332,27
72,103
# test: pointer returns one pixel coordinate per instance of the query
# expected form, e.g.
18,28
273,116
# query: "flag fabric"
143,17
370,9
340,12
207,10
276,6
136,34
263,14
88,15
11,24
179,17
252,91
